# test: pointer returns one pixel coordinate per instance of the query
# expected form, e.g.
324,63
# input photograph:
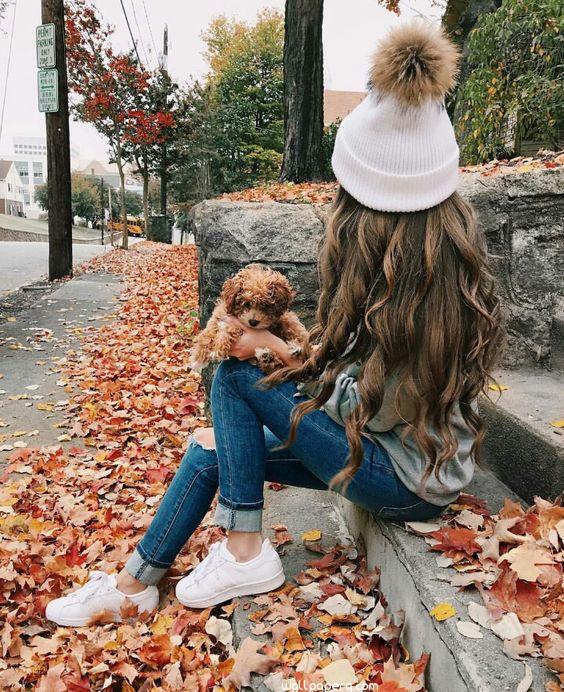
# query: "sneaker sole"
84,622
248,590
90,621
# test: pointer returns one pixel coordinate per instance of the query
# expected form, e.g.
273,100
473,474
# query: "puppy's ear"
230,291
283,292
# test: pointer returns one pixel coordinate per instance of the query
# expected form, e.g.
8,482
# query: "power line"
156,52
130,32
139,32
8,68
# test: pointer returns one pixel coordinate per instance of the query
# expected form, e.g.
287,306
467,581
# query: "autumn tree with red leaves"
150,124
113,93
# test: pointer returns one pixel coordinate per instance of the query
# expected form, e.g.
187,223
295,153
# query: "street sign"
45,45
48,90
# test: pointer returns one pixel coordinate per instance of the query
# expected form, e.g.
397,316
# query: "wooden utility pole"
303,91
164,162
58,151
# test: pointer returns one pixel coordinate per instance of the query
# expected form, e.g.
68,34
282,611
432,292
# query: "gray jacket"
388,427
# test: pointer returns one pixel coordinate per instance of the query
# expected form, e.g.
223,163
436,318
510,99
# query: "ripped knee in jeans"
204,438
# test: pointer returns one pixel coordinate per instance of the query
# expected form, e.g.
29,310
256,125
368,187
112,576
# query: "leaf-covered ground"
515,562
132,402
323,193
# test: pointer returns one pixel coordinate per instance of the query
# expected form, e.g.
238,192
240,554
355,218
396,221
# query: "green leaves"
85,197
237,132
513,91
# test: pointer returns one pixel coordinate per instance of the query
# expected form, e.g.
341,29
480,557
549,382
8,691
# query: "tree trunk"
125,236
303,91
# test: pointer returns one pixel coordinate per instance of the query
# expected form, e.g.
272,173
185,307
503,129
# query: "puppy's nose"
253,323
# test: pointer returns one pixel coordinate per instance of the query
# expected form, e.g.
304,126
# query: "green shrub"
515,88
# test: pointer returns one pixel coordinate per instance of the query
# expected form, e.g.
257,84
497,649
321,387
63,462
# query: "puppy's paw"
264,355
295,349
267,361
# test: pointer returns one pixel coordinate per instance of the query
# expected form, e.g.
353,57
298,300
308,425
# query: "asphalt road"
24,263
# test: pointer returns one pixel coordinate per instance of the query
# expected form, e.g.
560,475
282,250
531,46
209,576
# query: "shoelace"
209,563
96,582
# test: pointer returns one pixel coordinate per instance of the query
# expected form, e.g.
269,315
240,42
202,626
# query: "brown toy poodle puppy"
260,298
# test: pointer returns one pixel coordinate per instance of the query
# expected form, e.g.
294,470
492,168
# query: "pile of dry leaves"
84,503
329,632
323,193
515,559
294,193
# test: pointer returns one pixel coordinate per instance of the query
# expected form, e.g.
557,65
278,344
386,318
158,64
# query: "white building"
108,172
11,190
30,159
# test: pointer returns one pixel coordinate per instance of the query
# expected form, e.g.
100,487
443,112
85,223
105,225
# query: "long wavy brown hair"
415,291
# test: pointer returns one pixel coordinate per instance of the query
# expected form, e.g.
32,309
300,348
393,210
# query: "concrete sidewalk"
30,345
23,263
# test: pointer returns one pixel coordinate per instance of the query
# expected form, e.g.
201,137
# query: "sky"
351,30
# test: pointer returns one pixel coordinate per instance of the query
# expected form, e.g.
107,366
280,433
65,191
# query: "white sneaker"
219,577
98,597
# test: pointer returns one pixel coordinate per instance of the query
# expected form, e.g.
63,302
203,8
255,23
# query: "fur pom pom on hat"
397,151
415,63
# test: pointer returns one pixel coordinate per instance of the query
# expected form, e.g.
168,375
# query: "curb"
409,582
521,447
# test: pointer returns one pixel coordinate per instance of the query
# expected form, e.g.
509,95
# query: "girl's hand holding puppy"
252,339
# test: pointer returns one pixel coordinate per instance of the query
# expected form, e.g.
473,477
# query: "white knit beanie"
397,151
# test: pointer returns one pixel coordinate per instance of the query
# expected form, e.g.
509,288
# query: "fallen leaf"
525,560
405,676
469,519
339,673
52,681
469,629
373,620
247,661
501,534
173,679
461,539
337,605
293,640
527,680
308,662
422,528
313,535
443,611
220,628
480,614
508,627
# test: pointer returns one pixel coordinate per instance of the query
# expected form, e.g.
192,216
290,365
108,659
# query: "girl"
407,330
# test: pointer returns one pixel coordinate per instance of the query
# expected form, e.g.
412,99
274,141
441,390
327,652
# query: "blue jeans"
248,424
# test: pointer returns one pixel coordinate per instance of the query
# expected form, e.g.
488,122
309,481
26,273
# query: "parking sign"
48,90
45,44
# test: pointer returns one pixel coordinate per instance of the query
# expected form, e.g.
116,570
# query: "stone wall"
522,215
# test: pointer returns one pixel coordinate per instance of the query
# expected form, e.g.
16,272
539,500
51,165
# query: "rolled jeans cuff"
236,519
142,570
